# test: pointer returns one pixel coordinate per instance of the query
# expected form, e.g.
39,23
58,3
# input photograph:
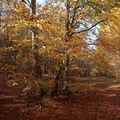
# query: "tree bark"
64,67
37,72
59,79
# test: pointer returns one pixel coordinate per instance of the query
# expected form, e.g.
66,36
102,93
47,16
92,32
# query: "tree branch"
87,29
26,2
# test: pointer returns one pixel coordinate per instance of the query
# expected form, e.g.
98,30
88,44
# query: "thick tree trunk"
60,80
64,68
37,67
33,6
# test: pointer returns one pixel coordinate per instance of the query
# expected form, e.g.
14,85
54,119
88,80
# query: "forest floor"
91,99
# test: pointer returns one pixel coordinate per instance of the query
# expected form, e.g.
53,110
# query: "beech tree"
108,44
81,17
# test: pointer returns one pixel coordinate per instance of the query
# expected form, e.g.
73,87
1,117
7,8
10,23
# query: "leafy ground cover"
90,99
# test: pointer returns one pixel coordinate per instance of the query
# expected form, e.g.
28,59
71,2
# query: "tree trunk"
37,68
33,6
64,67
60,79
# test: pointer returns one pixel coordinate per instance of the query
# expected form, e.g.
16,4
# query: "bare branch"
87,29
27,2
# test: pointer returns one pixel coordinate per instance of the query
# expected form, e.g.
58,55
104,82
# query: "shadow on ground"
91,99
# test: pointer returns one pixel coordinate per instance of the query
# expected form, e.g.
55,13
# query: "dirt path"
93,99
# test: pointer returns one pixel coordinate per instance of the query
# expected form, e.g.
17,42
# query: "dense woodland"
45,47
